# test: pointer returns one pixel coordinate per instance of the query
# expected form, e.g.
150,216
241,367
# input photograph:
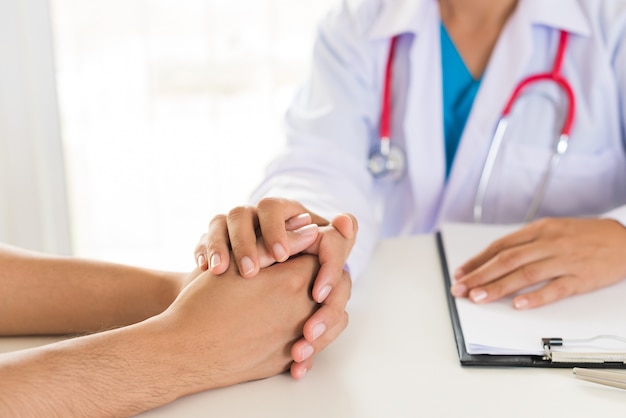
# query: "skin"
474,26
271,219
44,294
161,335
188,348
567,256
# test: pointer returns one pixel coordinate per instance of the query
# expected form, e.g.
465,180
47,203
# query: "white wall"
33,204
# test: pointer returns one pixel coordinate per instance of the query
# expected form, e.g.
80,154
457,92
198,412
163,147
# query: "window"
170,111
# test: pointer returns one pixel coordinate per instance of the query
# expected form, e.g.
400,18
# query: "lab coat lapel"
510,62
419,83
423,118
507,66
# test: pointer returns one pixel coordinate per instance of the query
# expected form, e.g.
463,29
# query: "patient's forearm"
120,372
42,294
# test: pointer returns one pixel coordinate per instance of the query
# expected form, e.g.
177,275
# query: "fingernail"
323,294
306,352
300,373
458,289
279,252
215,260
477,295
299,220
520,303
247,266
307,230
458,273
318,330
201,260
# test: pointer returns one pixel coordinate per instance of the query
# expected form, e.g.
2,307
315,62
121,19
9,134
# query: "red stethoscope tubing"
555,76
385,117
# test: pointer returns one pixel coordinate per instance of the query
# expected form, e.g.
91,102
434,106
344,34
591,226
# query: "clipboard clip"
586,350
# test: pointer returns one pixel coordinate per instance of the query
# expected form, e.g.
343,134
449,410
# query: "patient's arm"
43,294
219,331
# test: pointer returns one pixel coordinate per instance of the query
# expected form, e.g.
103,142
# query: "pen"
602,377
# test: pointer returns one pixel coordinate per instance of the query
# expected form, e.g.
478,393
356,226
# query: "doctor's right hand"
271,220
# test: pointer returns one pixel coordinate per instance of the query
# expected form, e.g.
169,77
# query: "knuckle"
340,325
528,274
240,212
508,259
215,247
548,225
540,223
238,246
561,288
338,309
495,248
345,283
269,203
218,221
563,242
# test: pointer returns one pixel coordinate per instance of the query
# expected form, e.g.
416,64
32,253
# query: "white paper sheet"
498,328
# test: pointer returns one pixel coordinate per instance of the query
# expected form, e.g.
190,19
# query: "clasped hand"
270,223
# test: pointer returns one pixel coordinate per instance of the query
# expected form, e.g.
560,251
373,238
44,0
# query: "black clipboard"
488,360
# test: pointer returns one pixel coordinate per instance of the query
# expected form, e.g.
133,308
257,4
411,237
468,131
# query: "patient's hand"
271,220
232,329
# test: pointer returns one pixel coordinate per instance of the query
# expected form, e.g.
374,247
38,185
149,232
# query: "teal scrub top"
459,91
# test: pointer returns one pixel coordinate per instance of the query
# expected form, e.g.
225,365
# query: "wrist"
187,353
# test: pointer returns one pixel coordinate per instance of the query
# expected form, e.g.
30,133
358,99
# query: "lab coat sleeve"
330,125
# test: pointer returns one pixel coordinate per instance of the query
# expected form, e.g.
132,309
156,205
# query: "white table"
397,359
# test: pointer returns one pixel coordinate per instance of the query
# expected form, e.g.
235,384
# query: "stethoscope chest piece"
387,162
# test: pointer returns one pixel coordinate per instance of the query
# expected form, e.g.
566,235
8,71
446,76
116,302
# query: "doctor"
455,65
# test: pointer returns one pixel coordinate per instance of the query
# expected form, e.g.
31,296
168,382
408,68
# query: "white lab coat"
333,122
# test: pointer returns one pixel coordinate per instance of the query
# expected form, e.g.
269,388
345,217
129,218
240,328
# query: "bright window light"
170,111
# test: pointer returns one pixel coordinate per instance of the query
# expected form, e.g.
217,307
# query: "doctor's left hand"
566,256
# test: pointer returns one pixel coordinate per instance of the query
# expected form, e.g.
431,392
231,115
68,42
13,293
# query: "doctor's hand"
272,219
297,240
238,231
564,256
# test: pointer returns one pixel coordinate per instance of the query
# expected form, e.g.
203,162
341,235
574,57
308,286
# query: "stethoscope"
388,160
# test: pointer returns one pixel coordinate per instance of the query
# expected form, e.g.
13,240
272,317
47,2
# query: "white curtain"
33,202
